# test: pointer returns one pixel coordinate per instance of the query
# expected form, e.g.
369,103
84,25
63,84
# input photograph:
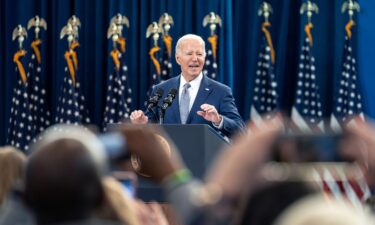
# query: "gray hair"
84,136
189,37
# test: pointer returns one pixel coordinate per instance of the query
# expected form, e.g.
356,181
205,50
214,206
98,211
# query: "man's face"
191,58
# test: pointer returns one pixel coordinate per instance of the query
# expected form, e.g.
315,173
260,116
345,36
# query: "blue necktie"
184,103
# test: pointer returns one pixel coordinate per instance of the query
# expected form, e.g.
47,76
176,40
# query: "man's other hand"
138,117
209,112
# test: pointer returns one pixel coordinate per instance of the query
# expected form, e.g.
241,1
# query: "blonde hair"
118,206
320,210
12,167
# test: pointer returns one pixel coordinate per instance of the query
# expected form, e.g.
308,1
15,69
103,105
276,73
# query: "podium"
198,145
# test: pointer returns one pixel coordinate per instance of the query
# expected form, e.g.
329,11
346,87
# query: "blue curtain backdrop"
366,54
239,40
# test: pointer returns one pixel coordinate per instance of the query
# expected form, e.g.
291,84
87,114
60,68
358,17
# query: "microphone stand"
153,112
166,103
161,116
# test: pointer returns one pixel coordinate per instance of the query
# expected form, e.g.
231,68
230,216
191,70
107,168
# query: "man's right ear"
178,59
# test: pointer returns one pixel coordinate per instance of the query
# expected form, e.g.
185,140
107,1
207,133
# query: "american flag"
166,64
125,77
156,70
118,93
347,101
210,68
40,113
347,105
126,85
21,129
336,183
70,108
265,98
307,112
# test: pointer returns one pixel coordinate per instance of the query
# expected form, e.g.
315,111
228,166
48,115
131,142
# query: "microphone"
169,99
153,101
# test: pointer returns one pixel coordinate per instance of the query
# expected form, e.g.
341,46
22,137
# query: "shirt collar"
194,83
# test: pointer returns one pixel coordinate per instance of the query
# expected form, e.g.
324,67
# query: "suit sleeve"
233,122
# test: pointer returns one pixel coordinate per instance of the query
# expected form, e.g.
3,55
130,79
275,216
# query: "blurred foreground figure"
12,166
234,179
62,183
267,202
12,169
67,182
316,210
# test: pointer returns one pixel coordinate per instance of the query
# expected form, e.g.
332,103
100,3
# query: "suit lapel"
203,92
176,103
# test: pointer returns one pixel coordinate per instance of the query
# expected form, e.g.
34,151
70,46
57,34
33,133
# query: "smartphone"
128,181
328,147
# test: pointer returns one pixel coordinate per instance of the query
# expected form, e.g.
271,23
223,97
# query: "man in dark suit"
200,100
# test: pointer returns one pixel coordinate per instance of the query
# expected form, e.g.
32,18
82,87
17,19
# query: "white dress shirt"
193,90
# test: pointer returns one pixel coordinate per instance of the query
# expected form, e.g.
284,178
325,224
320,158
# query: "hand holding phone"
328,147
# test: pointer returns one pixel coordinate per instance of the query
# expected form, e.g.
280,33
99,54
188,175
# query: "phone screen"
128,181
128,186
317,148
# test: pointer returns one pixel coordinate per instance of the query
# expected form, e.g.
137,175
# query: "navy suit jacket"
210,92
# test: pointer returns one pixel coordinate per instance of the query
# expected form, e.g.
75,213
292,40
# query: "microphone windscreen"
159,92
173,91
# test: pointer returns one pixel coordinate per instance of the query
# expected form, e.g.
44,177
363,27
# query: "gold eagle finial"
71,29
38,23
165,22
350,6
309,7
212,19
119,19
154,29
20,33
265,10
